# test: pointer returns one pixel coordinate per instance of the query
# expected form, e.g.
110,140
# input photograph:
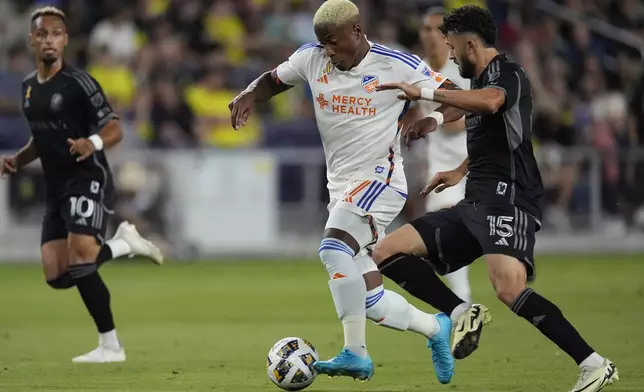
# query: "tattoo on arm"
448,85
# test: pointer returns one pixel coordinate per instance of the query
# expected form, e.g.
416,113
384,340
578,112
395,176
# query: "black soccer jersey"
70,105
502,166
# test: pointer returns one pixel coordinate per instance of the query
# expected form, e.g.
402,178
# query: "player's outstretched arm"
23,157
486,100
444,180
260,90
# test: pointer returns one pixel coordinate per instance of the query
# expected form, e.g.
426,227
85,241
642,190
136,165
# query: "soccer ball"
289,364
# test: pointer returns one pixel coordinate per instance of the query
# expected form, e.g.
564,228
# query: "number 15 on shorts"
501,226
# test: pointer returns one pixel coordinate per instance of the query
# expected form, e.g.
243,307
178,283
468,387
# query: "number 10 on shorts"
81,206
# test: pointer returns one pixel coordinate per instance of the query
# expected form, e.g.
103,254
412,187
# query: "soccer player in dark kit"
500,214
71,124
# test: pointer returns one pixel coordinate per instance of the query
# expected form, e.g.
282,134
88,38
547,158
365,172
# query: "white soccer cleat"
139,245
102,354
467,330
595,379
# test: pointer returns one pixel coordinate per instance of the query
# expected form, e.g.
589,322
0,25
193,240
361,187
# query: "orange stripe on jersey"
359,188
392,165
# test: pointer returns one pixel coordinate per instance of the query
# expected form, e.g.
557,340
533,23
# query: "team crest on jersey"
369,83
56,102
380,169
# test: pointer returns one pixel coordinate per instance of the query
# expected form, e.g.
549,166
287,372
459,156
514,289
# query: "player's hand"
83,147
9,166
241,108
442,181
418,130
408,92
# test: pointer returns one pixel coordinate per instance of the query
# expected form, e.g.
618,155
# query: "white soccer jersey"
358,125
447,149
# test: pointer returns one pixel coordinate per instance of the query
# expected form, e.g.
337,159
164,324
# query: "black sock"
548,319
64,281
418,278
104,255
95,295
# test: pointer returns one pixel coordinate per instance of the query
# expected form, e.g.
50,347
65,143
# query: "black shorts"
80,207
458,235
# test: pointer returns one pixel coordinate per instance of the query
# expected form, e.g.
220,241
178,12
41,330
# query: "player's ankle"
458,311
594,360
358,350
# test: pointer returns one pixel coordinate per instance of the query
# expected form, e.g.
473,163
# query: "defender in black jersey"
71,124
500,214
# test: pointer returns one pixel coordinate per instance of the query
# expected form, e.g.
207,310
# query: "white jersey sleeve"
424,77
295,69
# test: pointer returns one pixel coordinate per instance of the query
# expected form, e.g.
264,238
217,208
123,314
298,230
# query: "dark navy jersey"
70,105
502,166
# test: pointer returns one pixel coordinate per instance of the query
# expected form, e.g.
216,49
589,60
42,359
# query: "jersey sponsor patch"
369,83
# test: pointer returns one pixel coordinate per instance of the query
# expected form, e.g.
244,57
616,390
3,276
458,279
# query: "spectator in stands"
117,34
208,100
173,122
14,131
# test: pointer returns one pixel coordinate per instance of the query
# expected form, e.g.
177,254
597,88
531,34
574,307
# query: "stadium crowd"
170,67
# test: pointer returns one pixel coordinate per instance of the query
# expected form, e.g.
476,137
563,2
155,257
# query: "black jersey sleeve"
508,80
94,102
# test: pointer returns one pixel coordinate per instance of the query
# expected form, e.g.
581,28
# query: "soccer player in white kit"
360,134
448,145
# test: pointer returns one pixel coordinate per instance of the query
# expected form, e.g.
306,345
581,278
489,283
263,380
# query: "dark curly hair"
471,19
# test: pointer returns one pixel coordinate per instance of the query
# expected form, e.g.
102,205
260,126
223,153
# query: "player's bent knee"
507,275
62,282
405,240
83,249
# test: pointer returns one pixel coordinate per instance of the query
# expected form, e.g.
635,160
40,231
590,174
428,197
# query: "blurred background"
191,183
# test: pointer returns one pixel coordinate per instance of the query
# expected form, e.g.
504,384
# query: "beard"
466,68
49,59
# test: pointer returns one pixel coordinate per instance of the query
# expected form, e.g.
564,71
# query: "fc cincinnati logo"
369,83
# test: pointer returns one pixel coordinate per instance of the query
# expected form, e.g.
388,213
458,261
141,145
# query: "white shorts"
371,196
448,197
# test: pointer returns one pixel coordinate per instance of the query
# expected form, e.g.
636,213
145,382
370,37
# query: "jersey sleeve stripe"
30,75
410,57
309,46
410,62
108,117
85,82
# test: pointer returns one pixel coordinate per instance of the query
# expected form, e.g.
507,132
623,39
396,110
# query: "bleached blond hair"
47,11
336,13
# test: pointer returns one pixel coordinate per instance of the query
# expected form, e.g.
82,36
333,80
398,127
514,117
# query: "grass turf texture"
208,326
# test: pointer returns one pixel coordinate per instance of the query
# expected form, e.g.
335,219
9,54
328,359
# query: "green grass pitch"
208,326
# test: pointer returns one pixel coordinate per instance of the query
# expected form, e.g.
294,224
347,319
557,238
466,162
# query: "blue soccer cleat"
441,352
347,364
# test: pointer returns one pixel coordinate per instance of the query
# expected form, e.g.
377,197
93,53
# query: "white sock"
109,339
423,323
389,309
460,284
349,292
459,310
119,247
593,361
